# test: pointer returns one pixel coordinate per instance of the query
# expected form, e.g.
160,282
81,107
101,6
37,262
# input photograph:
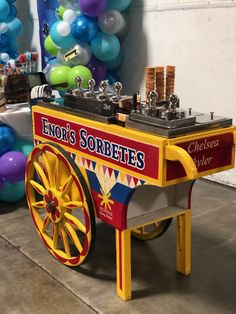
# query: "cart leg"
123,264
183,243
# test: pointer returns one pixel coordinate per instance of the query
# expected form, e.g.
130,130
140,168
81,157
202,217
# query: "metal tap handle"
91,85
118,88
78,82
173,101
103,86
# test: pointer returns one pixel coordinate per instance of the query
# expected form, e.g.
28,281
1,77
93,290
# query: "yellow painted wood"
123,264
183,243
144,137
176,153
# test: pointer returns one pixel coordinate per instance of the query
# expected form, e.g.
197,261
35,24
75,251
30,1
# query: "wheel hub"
54,205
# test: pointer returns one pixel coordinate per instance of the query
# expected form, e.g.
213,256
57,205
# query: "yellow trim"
176,153
123,264
183,243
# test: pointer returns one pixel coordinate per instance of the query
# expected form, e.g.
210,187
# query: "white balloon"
4,57
63,28
111,22
3,28
69,16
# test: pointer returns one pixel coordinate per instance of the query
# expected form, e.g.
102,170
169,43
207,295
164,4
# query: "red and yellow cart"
136,181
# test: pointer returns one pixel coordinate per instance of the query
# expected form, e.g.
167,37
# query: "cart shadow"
154,271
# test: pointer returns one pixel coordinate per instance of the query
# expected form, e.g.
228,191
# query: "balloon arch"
92,29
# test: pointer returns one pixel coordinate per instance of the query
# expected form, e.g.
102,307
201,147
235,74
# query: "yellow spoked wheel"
60,204
152,231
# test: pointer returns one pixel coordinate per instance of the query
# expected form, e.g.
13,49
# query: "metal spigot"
173,102
117,88
90,93
103,91
152,98
78,91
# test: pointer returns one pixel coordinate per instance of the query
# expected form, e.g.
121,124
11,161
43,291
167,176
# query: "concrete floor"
32,281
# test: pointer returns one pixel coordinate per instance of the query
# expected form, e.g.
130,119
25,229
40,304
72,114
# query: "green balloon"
60,11
12,192
81,71
24,147
59,75
50,46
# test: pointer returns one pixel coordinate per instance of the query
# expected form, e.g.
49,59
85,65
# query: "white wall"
199,37
27,13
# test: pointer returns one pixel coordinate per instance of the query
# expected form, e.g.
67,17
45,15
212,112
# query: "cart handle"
176,153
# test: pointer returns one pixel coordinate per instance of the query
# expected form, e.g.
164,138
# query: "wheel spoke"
38,205
73,220
56,174
55,235
73,205
41,175
73,236
46,222
47,167
38,187
65,240
67,186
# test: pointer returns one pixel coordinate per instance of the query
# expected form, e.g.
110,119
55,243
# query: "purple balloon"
98,69
1,184
93,7
12,166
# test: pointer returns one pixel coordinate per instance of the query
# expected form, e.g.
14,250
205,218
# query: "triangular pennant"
110,171
104,168
89,163
116,173
142,182
83,160
135,181
129,178
94,165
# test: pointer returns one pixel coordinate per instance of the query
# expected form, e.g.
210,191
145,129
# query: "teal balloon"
15,27
105,47
24,147
120,5
116,63
12,192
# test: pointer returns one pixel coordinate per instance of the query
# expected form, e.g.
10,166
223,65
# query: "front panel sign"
129,154
207,153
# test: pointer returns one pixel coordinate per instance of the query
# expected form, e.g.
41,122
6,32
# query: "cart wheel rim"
60,204
152,231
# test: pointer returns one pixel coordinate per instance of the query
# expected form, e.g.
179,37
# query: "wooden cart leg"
183,243
123,264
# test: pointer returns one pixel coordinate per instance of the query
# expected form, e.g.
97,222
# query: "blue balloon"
84,28
64,42
13,11
120,5
4,41
12,192
15,26
112,77
7,139
105,47
4,9
116,63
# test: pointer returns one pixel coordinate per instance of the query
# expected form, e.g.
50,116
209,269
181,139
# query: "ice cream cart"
135,177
